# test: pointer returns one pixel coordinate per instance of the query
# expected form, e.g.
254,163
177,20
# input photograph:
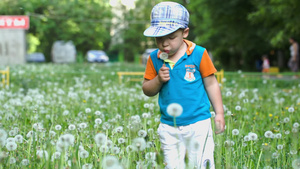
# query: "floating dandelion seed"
235,132
174,109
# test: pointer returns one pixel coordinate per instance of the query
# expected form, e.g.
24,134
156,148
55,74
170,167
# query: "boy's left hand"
219,123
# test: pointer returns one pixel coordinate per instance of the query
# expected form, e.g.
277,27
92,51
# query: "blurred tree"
86,23
223,28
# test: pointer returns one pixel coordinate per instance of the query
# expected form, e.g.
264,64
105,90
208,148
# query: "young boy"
182,72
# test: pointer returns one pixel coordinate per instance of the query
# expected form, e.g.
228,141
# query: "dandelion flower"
246,138
275,155
3,134
19,138
87,166
88,110
42,154
25,162
130,148
84,154
121,140
119,129
116,150
174,109
56,155
235,132
110,162
286,120
11,146
238,108
278,135
253,136
72,127
83,125
142,133
296,125
98,121
100,138
139,143
296,163
58,127
103,148
146,105
163,56
293,152
287,132
12,160
268,134
291,109
279,146
98,113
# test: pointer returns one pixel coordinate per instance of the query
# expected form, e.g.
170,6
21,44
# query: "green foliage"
86,23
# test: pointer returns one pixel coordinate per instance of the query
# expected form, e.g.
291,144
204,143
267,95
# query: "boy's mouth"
166,51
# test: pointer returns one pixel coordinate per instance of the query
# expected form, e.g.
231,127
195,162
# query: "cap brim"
158,31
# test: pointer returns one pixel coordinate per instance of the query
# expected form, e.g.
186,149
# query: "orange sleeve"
206,66
150,72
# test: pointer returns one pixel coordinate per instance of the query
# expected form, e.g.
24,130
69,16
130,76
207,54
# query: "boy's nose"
165,43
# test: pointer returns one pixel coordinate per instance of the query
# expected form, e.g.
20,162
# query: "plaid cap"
166,18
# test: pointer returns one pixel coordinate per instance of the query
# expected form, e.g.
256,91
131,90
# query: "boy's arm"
214,94
152,87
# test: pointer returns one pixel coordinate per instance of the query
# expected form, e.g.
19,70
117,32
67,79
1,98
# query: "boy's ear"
186,32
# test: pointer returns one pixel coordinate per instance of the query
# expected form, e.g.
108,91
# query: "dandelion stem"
259,159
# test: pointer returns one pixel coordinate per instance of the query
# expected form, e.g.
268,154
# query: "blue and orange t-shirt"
185,86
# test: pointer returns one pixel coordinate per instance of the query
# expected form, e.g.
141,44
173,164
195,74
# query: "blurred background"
235,32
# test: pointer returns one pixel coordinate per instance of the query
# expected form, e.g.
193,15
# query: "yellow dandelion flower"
254,118
266,144
276,117
286,108
270,115
277,124
256,113
84,101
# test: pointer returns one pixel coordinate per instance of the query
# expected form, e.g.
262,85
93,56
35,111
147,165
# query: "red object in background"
14,22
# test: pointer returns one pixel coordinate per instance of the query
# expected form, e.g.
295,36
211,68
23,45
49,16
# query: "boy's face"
172,42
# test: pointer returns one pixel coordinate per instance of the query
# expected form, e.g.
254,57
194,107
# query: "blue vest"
185,87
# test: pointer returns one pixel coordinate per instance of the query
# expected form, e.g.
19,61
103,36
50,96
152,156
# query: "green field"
80,116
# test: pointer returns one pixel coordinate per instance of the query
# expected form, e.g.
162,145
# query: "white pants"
195,139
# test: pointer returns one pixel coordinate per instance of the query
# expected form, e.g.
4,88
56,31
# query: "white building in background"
117,21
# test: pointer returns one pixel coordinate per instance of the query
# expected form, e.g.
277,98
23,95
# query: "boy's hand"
163,74
219,123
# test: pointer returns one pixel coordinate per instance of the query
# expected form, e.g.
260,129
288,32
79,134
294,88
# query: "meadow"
80,116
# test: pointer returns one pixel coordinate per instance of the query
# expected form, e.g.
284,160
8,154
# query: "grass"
50,116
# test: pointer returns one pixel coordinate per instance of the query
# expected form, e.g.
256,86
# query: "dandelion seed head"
88,110
116,150
98,113
296,125
58,127
238,108
235,132
142,133
121,140
83,154
87,166
100,138
268,134
279,146
11,146
296,163
286,120
25,162
139,143
110,162
174,109
72,127
291,109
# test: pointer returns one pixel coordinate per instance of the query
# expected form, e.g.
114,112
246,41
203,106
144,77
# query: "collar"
190,47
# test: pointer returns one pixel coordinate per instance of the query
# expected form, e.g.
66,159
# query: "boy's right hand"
163,74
